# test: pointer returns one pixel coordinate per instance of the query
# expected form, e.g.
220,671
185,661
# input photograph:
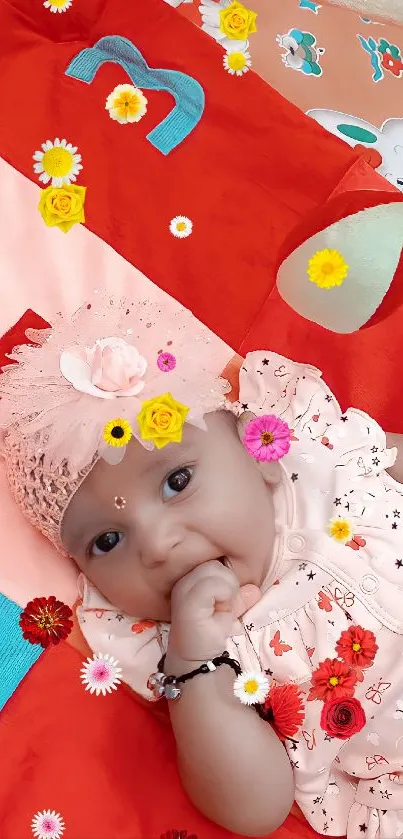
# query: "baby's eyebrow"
174,454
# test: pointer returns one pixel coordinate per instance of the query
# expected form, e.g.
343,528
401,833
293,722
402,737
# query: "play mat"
241,165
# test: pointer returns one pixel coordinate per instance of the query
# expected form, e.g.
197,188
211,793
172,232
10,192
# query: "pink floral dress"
328,629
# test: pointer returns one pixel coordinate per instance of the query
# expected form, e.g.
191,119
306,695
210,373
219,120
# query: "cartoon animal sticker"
385,57
310,6
385,143
301,52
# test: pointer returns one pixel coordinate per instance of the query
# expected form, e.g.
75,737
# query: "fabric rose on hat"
108,369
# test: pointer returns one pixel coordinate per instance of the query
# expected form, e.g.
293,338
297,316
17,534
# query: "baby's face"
185,504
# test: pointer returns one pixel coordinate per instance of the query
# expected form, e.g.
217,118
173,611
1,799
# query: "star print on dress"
311,575
294,477
399,563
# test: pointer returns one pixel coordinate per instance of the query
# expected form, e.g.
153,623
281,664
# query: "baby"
250,552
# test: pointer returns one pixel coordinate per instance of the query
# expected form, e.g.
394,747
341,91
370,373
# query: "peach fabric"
346,84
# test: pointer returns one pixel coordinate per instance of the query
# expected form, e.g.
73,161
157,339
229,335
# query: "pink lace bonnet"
101,364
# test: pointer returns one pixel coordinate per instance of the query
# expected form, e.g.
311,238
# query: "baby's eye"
177,482
106,542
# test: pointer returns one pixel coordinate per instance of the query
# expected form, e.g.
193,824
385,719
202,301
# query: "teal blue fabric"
187,92
16,655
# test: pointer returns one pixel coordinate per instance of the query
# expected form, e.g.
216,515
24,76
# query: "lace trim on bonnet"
101,364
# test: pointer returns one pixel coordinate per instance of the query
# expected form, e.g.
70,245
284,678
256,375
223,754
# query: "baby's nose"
157,543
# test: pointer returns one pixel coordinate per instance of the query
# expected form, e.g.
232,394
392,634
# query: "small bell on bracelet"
172,691
155,684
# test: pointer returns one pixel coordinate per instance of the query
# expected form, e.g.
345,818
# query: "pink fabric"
52,271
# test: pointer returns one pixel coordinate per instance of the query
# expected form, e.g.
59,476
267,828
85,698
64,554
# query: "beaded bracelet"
169,686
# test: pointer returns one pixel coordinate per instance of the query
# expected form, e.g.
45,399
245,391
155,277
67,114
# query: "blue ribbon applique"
17,656
187,92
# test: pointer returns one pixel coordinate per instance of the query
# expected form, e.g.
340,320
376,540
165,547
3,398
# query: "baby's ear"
271,471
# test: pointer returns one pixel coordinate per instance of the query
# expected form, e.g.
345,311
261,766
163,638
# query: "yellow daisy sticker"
327,268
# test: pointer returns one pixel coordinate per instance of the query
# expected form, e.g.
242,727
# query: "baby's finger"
209,596
208,570
247,597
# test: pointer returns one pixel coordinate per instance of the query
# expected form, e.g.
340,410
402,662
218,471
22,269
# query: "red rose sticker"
342,718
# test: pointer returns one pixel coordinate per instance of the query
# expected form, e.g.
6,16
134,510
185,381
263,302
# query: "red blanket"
251,169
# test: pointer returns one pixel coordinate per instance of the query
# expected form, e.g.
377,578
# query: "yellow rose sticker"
62,206
237,22
161,420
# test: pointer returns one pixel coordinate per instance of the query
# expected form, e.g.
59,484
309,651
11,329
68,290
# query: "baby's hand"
203,609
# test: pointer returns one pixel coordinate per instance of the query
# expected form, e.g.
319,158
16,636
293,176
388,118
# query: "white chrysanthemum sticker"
237,62
47,825
58,162
101,674
56,6
181,227
251,688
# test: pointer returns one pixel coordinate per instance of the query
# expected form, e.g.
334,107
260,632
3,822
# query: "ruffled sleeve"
272,384
137,645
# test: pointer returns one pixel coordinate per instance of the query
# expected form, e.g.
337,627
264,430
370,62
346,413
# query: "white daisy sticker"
58,5
101,674
126,104
251,688
181,227
47,825
237,62
57,162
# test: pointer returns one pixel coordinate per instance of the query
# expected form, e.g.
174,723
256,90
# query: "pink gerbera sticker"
267,438
101,674
166,362
47,825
